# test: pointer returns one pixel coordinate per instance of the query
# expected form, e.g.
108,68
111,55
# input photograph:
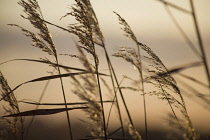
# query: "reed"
42,39
88,81
13,108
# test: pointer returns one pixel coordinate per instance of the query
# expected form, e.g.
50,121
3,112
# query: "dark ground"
45,131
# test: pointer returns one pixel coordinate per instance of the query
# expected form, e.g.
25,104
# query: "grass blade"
43,112
177,69
56,76
45,62
194,80
43,79
51,63
79,103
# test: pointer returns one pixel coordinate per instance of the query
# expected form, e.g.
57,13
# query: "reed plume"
13,108
86,88
166,84
132,56
87,82
88,32
168,90
42,39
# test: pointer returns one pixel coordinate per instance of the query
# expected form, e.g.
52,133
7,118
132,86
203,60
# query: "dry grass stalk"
164,82
43,37
12,109
132,56
167,87
87,28
88,32
86,88
200,42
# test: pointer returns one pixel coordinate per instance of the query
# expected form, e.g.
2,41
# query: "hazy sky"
149,21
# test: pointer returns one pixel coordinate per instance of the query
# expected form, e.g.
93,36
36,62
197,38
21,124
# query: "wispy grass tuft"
87,81
12,109
42,39
134,57
86,88
168,90
88,32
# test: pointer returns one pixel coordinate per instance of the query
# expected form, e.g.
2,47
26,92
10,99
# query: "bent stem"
112,71
200,42
129,33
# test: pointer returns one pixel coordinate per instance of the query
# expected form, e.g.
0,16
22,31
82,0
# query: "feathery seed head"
34,15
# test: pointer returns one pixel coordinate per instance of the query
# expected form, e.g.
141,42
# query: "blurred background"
152,25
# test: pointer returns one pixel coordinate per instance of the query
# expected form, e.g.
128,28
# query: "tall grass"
88,81
43,39
13,108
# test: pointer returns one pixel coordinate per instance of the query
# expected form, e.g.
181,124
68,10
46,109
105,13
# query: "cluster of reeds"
165,84
87,81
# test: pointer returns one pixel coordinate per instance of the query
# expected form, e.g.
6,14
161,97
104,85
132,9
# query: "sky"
149,21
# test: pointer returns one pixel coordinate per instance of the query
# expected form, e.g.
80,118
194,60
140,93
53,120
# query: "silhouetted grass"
88,82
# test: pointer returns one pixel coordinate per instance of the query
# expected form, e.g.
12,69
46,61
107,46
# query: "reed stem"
64,98
200,42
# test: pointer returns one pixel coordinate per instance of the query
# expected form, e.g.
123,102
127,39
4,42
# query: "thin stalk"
186,114
112,70
188,41
22,123
103,45
118,107
62,87
144,99
101,99
64,98
22,128
56,25
145,117
195,92
107,124
114,131
40,99
194,80
175,6
118,85
169,104
200,42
